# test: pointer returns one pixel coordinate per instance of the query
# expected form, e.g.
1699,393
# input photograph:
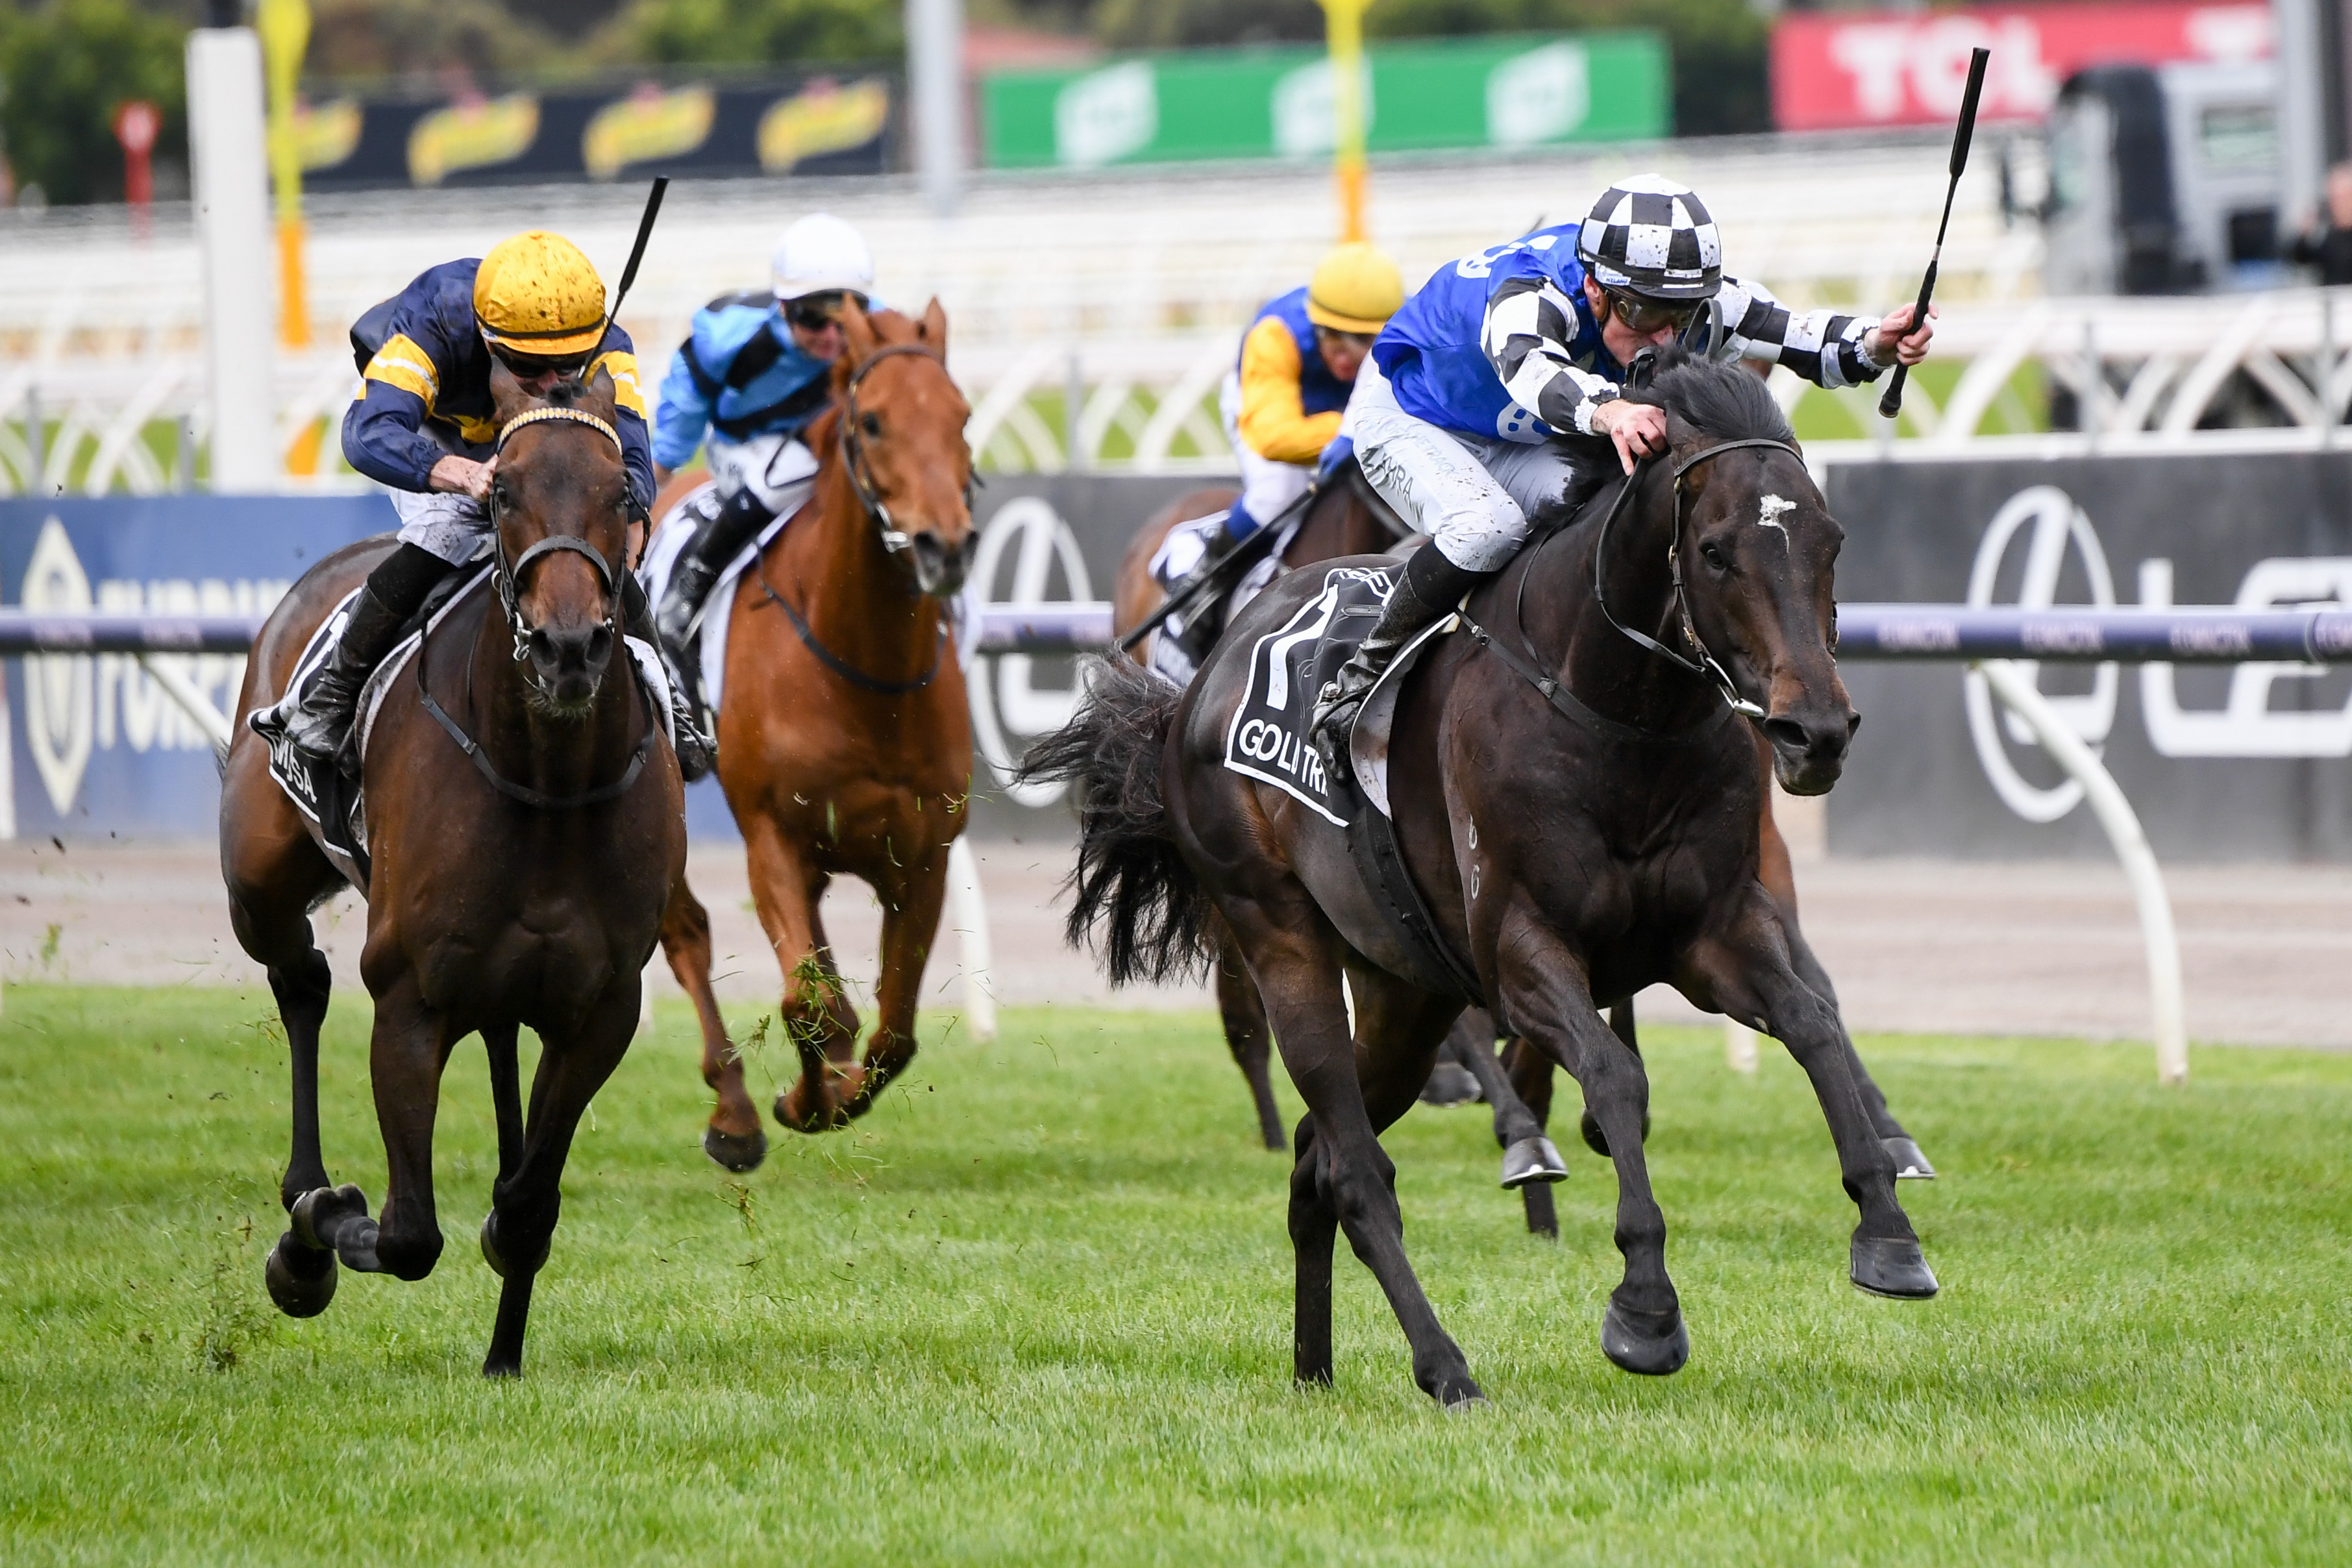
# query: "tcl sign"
1849,69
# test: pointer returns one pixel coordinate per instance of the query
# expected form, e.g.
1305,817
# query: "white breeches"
1472,497
1267,486
447,523
768,467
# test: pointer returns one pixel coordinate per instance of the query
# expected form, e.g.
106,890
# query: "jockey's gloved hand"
1337,454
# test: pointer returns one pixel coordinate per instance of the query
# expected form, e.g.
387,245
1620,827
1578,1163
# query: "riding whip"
1891,403
645,231
1248,550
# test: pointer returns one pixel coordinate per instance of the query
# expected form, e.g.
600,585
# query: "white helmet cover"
1654,236
821,254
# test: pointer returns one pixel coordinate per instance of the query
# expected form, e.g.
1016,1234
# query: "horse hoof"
490,1247
1457,1391
496,1365
793,1115
737,1155
1910,1165
319,1215
1451,1084
1596,1142
1652,1343
1531,1160
1891,1268
301,1279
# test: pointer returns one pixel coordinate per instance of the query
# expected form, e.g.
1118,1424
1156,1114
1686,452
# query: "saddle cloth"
333,802
669,541
1180,551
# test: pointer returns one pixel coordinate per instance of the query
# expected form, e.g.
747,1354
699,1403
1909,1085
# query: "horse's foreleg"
411,1046
1545,998
499,1041
1530,1161
526,1202
912,900
1528,1071
733,1137
816,1018
1743,969
1243,1016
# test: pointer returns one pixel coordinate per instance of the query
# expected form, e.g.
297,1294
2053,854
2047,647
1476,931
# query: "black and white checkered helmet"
1652,236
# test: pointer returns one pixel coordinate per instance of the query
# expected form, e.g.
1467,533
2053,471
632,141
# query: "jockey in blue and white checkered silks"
754,373
1457,419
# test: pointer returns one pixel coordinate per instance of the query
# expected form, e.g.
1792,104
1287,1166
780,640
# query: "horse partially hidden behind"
1345,519
519,884
845,735
1576,839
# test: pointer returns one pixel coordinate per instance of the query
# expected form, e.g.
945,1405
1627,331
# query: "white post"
2020,694
1739,1046
968,910
2302,110
229,163
935,89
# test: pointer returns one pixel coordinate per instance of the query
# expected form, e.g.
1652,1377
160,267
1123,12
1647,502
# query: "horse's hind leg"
1243,1016
733,1138
528,1197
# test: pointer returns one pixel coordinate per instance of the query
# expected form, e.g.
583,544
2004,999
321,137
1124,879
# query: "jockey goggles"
815,312
1650,314
526,366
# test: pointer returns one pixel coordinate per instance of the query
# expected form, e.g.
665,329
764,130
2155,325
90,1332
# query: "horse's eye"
872,425
1712,553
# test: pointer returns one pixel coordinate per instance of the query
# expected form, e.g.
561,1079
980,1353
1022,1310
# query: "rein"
1705,665
507,578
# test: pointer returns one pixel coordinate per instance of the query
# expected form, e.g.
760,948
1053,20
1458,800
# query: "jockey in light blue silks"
753,373
1456,418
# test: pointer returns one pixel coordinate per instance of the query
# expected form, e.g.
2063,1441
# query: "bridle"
853,446
1706,664
508,576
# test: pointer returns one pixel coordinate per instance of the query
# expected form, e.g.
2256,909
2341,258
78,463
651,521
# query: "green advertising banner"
1515,91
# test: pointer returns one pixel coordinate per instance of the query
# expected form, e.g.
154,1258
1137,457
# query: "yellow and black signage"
812,125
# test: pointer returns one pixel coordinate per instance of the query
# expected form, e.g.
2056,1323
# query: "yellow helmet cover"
537,294
1356,289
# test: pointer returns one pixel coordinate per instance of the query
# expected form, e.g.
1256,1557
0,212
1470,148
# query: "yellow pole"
1344,24
285,28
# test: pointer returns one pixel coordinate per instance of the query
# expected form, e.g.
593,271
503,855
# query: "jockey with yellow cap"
1282,405
424,426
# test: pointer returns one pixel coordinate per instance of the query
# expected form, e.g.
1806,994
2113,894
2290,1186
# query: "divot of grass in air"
1034,1308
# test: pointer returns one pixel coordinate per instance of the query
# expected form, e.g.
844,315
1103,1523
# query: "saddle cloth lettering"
333,804
1267,738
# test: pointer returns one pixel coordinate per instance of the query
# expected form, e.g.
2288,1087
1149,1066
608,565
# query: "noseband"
853,446
509,577
1705,664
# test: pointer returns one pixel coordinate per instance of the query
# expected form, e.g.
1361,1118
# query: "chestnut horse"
520,884
1580,808
845,736
1346,519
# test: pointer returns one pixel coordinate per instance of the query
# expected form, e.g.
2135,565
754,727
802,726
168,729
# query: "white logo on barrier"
1004,697
2246,726
56,689
1540,96
1105,115
2057,521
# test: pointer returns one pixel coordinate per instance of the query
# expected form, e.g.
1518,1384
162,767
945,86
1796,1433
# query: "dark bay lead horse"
520,886
1577,840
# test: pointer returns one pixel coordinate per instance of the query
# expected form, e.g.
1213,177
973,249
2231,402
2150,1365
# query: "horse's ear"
507,397
1681,435
857,333
601,391
932,329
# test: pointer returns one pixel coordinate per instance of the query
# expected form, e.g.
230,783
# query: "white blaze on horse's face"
1768,515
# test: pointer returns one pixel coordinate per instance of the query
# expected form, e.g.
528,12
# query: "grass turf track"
1035,1309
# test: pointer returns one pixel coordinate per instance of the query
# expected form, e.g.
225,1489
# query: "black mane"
1722,399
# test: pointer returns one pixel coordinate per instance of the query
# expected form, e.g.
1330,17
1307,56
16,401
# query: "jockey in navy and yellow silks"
423,426
1282,407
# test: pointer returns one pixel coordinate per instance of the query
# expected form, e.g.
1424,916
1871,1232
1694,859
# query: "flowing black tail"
1133,893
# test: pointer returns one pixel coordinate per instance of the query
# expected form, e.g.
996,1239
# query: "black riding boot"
319,726
696,751
1428,589
1199,627
739,518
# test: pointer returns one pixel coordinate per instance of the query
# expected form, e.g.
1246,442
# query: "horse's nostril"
1786,733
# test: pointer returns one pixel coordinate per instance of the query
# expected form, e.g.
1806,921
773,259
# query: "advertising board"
1843,69
2244,762
728,126
94,746
1505,92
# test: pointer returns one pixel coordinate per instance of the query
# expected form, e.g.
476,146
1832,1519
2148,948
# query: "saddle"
1267,740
